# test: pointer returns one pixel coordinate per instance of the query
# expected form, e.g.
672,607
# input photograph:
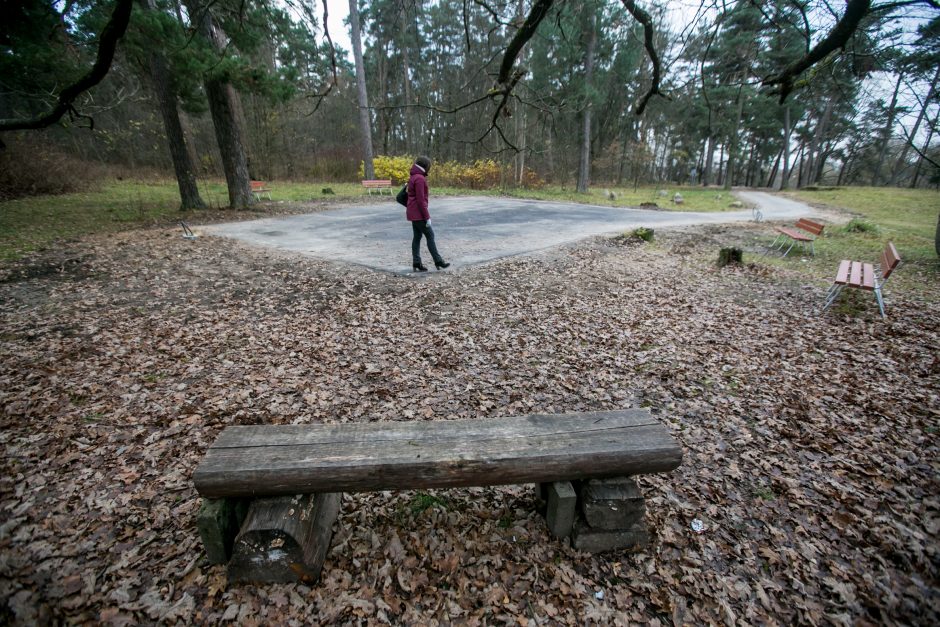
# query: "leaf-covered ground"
810,442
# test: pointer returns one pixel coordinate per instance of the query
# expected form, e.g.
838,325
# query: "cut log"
268,460
612,504
285,539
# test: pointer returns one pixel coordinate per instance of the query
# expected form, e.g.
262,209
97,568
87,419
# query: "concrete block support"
562,507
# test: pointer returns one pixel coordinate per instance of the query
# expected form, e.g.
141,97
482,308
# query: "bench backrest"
889,260
809,226
257,184
377,183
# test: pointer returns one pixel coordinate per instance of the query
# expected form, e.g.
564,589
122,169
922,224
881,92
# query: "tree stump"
729,256
285,539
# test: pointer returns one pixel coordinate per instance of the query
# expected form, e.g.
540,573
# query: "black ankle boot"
419,267
441,264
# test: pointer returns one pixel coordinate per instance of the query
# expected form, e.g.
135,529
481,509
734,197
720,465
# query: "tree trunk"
815,149
407,114
902,160
224,108
584,171
876,178
709,157
365,119
787,129
920,160
936,238
734,147
166,99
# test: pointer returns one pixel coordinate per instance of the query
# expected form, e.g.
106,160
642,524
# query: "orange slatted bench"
259,189
803,231
379,185
864,276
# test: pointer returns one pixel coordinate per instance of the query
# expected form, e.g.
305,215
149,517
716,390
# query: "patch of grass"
764,493
29,224
422,501
694,198
906,217
861,225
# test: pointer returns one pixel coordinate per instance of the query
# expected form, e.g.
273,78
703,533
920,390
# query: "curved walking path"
473,229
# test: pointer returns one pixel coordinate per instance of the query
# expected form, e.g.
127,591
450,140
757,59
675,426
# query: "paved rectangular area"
469,230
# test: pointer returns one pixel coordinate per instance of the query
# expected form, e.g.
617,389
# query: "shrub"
29,168
481,174
643,233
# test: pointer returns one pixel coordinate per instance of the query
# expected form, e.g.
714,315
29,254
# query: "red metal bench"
864,276
803,231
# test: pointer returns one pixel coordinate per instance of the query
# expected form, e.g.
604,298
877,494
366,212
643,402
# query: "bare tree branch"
536,14
107,43
840,34
644,18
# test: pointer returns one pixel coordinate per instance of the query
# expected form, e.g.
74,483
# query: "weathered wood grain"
297,459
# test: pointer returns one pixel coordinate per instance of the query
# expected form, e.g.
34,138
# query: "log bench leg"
218,522
599,515
612,516
285,539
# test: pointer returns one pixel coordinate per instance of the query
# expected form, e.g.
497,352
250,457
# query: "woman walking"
417,214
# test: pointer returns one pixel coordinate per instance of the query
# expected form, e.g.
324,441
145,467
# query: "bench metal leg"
881,302
834,290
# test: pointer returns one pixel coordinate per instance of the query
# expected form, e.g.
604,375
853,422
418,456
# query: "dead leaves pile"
810,442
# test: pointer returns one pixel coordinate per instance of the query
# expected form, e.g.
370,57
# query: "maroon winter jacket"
417,208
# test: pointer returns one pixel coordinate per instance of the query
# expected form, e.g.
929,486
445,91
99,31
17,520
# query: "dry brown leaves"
811,442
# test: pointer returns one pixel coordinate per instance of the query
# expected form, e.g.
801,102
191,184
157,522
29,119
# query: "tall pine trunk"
176,140
734,147
365,119
902,160
225,109
787,130
876,178
584,169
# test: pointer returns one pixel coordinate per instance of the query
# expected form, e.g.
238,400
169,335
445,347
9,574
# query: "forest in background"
434,82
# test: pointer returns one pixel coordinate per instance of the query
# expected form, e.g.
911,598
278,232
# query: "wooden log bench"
805,231
271,493
379,186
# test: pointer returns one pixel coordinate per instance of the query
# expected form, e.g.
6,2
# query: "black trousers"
419,228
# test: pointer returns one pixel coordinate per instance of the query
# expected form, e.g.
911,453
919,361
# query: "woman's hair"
424,162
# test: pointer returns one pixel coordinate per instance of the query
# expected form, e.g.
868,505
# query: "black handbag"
402,196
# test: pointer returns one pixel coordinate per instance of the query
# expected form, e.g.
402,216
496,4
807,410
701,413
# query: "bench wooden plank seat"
864,276
803,232
250,461
378,185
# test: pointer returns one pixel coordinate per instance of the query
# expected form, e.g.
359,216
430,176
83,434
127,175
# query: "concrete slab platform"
469,230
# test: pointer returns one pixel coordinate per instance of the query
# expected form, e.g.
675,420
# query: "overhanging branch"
840,34
644,18
107,43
